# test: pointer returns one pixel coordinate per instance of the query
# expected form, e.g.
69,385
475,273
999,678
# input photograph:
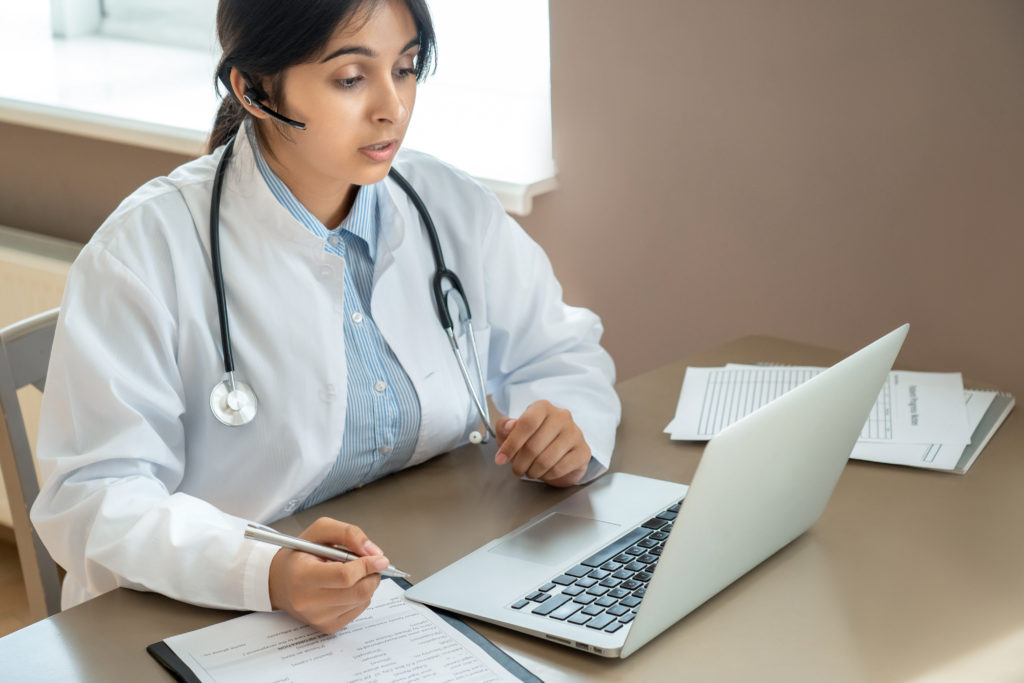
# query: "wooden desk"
909,573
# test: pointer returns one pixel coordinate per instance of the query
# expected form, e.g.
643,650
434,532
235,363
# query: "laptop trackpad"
556,539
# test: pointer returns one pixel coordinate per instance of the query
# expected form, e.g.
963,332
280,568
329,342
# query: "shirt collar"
362,221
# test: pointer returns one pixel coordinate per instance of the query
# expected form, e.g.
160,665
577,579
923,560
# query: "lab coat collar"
362,221
246,186
245,182
396,210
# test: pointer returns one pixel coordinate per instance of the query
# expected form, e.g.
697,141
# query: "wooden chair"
24,357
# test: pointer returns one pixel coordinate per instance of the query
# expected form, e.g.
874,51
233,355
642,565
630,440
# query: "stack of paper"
922,419
393,640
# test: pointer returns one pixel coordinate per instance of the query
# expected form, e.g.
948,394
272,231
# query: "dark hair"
262,38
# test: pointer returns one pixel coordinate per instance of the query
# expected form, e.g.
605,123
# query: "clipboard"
162,653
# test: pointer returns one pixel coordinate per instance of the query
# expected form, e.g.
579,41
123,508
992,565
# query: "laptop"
618,562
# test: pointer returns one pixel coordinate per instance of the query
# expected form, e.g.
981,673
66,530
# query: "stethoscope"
234,403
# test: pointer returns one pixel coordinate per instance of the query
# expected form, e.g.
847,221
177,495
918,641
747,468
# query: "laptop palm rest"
552,539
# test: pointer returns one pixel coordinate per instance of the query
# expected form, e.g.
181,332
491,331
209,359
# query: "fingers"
326,594
521,430
499,420
334,575
327,531
573,477
503,428
331,575
544,443
550,446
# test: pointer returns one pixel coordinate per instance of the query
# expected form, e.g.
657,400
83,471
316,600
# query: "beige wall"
64,185
819,170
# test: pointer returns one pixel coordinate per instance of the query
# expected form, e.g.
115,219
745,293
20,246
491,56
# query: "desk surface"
908,575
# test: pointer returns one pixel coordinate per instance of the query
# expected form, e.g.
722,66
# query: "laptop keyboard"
604,591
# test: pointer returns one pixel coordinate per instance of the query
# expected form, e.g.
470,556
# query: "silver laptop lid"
762,482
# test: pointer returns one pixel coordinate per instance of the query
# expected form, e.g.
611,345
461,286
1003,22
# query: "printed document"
912,408
393,640
937,456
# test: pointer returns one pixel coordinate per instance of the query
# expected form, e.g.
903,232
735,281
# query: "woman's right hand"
325,594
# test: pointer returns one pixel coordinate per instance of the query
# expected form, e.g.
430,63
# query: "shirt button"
291,505
380,386
357,318
334,240
385,450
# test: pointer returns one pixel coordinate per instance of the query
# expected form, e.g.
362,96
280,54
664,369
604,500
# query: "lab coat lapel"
403,308
282,343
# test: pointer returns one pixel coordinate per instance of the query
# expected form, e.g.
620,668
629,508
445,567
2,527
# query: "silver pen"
258,532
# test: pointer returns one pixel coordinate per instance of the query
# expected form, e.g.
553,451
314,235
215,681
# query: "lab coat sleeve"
542,348
112,452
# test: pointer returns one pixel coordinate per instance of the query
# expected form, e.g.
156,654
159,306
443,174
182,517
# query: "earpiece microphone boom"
252,98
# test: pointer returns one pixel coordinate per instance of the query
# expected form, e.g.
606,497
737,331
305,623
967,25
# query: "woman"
327,274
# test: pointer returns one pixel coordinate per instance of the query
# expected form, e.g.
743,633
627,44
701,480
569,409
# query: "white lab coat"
143,488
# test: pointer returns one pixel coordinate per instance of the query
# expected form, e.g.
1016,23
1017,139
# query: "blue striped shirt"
383,417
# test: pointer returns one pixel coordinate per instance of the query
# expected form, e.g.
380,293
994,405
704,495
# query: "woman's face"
356,99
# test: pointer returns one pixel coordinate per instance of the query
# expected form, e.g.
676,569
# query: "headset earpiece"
252,98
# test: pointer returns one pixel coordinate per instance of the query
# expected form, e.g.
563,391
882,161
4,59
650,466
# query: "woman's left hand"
543,443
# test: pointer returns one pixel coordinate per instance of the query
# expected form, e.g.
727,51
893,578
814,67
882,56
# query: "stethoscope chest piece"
233,402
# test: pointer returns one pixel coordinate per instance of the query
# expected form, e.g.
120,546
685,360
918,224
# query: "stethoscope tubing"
225,411
218,271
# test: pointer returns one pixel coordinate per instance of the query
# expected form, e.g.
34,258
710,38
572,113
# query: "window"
488,107
482,111
183,23
186,23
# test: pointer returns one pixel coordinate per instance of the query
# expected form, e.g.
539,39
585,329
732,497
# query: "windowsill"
40,247
162,97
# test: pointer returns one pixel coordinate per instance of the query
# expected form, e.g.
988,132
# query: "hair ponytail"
229,117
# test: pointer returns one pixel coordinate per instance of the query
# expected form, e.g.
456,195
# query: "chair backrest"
24,356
